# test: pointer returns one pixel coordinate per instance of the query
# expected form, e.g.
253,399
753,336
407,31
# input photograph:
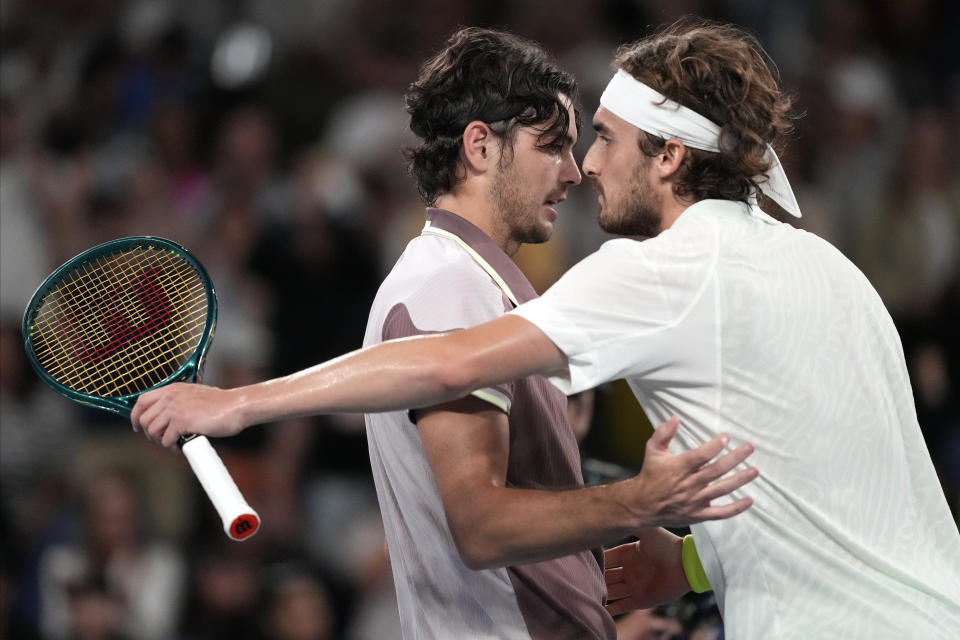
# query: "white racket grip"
239,520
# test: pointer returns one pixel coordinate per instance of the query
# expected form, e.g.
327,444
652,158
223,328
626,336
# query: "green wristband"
692,567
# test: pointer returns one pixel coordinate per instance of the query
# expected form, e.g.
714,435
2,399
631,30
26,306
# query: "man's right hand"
677,490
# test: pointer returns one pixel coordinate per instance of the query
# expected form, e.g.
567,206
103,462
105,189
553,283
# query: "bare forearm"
404,374
393,375
508,526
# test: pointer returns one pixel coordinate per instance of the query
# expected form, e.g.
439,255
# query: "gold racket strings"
122,322
118,369
126,361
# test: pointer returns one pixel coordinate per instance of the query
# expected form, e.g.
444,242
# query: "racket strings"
119,336
152,358
122,323
156,360
83,336
128,362
92,330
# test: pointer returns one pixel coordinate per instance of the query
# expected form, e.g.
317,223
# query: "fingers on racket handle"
239,520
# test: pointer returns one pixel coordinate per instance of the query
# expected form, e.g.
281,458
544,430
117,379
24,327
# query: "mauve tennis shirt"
454,276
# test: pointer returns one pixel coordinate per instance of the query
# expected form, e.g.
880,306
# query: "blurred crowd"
265,137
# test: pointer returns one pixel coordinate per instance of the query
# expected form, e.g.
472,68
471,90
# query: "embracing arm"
467,445
416,372
400,374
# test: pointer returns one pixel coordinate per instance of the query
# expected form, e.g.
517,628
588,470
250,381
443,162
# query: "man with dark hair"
726,318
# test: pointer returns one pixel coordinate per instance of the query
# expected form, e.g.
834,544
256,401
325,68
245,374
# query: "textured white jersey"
739,324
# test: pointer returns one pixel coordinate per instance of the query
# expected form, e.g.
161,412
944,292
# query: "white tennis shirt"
740,324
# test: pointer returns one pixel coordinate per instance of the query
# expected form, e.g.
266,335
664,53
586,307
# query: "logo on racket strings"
119,328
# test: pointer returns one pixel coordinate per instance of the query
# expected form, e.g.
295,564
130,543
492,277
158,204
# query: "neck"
673,206
481,214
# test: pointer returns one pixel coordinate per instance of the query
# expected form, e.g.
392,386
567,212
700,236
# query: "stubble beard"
516,210
638,214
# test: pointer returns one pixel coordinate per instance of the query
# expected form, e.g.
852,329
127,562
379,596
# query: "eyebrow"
599,127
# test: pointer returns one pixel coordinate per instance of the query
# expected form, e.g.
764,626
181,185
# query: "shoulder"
436,286
674,264
656,279
437,264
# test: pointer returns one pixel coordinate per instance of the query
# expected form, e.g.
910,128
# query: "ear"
670,159
480,147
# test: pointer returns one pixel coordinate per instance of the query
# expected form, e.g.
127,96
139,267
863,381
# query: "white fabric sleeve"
628,310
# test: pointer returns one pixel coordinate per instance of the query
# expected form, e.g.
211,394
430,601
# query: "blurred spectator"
112,578
864,131
28,254
910,249
297,605
38,432
225,589
94,612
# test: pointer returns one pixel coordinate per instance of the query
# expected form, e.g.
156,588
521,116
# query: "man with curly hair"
726,318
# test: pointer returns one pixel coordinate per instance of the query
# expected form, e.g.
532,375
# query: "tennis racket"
125,317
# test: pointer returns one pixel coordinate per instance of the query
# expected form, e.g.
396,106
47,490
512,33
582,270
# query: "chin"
606,222
539,234
543,234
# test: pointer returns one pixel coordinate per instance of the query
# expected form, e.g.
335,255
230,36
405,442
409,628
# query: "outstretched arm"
400,374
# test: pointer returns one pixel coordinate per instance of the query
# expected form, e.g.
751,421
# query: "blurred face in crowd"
301,611
227,585
623,177
112,513
532,180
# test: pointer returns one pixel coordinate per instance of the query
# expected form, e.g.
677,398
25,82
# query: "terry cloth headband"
647,109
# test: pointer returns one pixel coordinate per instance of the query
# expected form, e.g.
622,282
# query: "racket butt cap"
243,526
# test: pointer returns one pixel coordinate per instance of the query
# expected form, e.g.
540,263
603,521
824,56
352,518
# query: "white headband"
629,99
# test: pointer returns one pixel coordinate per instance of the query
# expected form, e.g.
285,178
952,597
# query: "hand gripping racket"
125,317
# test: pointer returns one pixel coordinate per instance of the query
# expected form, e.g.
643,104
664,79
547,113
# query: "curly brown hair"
722,73
491,76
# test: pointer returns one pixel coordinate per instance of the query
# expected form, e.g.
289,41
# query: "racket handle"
239,520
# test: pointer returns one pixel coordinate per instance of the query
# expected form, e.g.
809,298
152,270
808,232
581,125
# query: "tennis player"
726,318
457,482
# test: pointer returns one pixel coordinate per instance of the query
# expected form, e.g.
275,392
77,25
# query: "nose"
570,174
590,166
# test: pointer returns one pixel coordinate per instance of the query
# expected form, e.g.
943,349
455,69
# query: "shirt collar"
484,251
722,208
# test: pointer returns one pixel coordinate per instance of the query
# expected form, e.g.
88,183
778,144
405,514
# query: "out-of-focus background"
265,136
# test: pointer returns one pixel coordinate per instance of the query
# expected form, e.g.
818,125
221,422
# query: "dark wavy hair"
722,73
487,75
